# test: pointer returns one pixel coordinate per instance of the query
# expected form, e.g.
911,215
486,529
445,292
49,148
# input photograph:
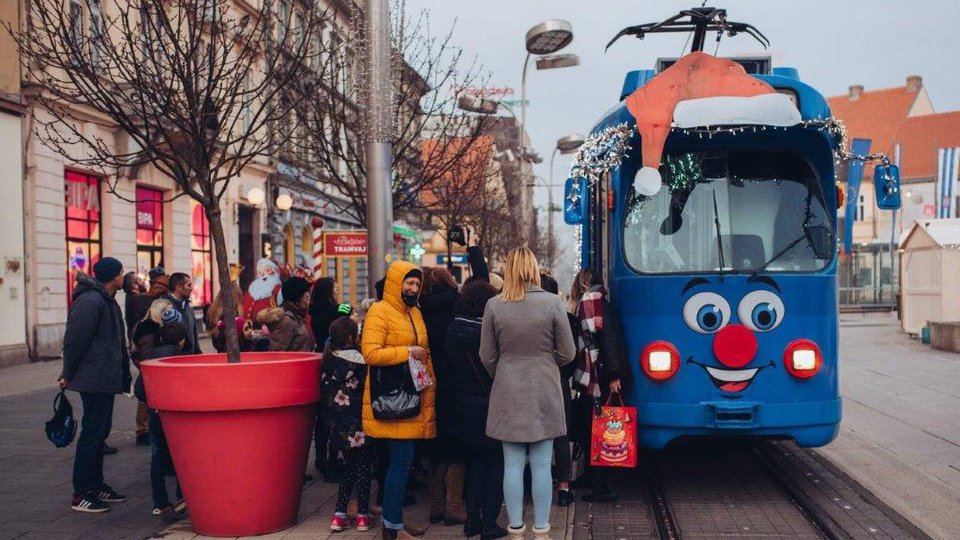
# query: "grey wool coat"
521,345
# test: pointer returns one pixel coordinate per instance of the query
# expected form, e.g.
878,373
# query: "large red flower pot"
239,435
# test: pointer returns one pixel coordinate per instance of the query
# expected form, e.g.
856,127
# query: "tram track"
738,488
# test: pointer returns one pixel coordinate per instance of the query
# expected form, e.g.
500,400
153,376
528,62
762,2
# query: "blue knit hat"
171,315
156,272
107,269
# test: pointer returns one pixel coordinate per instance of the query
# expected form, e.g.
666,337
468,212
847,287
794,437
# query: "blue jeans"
514,462
161,463
398,472
94,430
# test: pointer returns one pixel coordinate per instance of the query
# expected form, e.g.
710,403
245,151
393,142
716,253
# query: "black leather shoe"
472,528
109,450
564,498
143,439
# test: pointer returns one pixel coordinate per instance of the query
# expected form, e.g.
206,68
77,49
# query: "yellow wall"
9,58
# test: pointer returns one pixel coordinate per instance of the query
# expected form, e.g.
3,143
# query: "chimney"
914,82
856,91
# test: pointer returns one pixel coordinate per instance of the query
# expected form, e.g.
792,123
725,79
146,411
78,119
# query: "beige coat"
521,345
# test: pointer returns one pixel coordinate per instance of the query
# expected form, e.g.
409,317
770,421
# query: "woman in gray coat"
525,336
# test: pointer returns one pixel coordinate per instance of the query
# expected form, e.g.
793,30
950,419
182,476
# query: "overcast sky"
834,44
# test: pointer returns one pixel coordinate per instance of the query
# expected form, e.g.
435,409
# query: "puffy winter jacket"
389,329
468,384
94,345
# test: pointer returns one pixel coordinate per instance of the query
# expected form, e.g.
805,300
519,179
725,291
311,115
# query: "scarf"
590,314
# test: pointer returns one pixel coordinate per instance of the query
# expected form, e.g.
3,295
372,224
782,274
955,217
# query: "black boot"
472,527
492,533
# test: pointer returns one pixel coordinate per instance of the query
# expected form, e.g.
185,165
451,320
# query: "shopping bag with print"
613,439
421,378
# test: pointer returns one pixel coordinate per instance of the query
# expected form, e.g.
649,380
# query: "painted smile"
730,380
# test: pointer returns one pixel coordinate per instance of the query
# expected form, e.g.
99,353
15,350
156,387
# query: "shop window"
289,246
201,267
83,226
149,229
306,247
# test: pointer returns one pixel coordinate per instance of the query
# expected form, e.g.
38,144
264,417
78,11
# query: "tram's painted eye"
706,312
761,311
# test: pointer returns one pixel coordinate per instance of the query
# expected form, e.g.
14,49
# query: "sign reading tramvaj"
345,244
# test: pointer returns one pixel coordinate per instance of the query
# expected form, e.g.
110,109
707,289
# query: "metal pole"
378,142
526,196
550,211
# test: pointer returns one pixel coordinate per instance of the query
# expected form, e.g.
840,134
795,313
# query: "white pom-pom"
647,182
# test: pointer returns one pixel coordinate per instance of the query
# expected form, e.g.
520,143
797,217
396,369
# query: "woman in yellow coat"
393,331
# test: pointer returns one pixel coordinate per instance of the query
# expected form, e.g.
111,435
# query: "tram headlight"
660,360
802,358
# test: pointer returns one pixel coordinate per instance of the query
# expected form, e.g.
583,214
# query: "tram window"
762,200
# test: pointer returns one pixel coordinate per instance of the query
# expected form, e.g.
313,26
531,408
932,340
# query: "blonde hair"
497,282
155,313
520,270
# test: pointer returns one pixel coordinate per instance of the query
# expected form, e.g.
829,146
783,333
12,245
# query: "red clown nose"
735,346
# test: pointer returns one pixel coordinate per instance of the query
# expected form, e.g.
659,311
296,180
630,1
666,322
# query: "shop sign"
145,219
457,258
83,196
345,244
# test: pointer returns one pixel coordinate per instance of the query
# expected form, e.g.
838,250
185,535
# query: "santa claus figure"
263,291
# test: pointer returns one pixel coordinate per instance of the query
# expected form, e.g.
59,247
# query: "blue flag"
859,147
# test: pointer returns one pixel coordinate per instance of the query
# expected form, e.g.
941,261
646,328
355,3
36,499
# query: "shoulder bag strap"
476,371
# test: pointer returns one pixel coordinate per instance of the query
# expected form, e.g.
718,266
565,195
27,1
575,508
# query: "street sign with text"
345,244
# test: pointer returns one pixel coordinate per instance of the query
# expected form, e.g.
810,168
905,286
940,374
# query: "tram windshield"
763,203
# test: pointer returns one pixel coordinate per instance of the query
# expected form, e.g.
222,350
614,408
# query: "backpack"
63,426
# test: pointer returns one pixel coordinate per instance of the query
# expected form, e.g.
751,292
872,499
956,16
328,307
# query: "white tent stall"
930,269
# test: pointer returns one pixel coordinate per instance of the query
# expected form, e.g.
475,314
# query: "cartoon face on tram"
724,278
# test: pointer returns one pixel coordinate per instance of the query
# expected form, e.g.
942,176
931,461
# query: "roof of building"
920,137
945,232
874,114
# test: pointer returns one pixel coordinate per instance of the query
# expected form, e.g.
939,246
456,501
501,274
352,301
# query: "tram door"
600,236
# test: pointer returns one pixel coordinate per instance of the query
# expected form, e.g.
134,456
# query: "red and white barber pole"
317,224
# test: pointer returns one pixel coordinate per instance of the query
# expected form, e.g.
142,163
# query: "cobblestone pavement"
36,483
900,435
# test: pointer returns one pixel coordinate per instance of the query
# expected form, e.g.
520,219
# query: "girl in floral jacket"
341,387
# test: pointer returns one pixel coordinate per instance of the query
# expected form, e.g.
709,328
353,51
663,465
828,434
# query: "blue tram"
724,275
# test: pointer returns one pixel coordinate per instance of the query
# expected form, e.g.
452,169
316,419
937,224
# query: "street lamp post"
378,140
545,38
567,144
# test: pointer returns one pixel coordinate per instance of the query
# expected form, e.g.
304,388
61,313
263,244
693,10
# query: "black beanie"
107,269
294,288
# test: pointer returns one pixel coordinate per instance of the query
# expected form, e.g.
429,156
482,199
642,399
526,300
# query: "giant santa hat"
700,90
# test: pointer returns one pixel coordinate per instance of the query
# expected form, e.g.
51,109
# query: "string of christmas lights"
604,151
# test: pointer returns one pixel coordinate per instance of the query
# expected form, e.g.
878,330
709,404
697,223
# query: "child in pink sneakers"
342,380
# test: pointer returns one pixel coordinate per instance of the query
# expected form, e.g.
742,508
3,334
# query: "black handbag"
392,393
63,426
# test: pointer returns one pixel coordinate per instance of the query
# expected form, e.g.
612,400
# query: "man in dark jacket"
135,306
181,287
95,364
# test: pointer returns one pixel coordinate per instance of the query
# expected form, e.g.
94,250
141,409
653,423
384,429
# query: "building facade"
13,295
902,123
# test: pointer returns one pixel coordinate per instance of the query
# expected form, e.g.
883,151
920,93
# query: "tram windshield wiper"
716,222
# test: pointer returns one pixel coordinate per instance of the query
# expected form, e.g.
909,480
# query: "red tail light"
660,360
802,358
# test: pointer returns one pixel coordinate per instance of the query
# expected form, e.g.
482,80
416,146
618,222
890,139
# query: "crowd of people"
460,387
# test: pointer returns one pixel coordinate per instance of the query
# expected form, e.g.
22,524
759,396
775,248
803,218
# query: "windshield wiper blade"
716,221
779,254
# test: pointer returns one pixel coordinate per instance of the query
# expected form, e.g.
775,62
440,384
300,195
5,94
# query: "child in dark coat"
173,341
341,387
